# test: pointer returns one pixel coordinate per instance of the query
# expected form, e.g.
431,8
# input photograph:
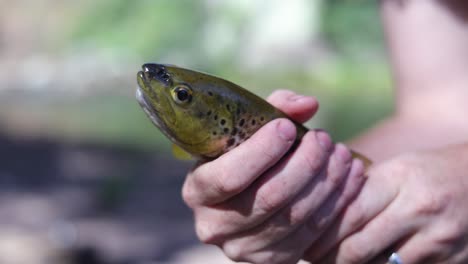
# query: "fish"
204,115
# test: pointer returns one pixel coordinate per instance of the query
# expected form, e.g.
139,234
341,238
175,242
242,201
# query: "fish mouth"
140,94
150,111
151,71
142,80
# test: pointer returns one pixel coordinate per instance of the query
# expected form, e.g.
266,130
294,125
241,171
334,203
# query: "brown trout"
204,115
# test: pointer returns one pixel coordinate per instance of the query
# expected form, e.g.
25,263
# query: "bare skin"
415,198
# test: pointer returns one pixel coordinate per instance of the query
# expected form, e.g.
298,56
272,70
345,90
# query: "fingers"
276,254
216,181
268,194
339,199
381,233
431,246
290,249
299,107
375,196
284,237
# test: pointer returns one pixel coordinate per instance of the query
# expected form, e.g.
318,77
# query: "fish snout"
156,71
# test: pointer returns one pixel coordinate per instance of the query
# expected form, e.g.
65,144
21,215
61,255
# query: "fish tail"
365,160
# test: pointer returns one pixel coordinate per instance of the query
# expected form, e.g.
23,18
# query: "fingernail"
324,139
342,152
286,130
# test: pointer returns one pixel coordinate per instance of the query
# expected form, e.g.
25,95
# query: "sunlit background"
85,177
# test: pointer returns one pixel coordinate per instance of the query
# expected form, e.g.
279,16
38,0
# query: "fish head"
177,102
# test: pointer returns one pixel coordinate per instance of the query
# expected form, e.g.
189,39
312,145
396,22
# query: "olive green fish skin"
214,115
219,116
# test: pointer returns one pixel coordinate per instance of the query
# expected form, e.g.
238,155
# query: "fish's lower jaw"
149,111
142,101
139,95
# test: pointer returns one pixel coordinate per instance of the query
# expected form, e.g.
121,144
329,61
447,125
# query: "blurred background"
85,177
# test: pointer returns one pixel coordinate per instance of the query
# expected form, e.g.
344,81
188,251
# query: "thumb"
300,108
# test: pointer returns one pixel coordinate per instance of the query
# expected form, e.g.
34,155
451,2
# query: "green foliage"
352,27
147,27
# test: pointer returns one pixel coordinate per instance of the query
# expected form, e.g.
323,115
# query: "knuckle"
356,216
296,215
431,203
335,179
188,194
235,251
400,168
218,182
222,183
270,200
241,252
206,233
313,160
339,166
353,254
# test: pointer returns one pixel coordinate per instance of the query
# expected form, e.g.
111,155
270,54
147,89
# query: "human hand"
415,205
262,204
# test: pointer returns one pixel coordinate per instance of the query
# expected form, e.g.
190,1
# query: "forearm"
428,51
398,134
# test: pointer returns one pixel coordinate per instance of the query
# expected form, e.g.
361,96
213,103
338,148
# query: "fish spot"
234,131
210,93
231,142
226,130
222,122
215,117
208,113
253,122
214,133
228,107
262,118
241,122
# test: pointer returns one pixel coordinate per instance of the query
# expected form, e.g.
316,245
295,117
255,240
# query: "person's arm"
415,200
428,49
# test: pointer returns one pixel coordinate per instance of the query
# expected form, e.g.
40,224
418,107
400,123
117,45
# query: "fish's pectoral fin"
180,154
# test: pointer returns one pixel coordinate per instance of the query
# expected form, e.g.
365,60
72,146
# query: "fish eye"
182,94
